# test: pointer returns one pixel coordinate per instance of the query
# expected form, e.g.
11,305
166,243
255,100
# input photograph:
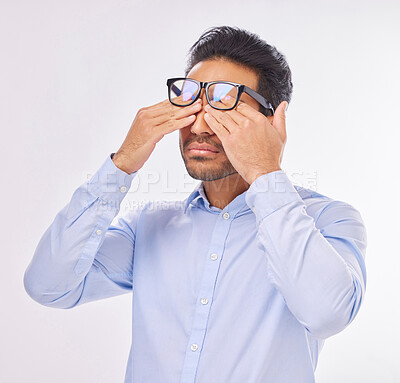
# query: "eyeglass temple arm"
259,98
176,90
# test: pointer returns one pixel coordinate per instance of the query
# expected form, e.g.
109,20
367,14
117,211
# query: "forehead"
219,69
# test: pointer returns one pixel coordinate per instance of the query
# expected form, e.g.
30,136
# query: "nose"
200,126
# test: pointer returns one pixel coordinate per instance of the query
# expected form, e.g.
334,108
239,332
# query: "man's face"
212,166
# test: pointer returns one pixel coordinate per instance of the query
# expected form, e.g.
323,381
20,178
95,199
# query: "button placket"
205,296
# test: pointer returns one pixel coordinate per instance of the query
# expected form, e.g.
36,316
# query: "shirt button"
98,231
214,257
194,347
226,215
204,301
122,189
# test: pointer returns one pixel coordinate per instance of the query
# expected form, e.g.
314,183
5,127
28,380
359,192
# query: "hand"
252,144
150,125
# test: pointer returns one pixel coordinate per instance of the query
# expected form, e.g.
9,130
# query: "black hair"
248,50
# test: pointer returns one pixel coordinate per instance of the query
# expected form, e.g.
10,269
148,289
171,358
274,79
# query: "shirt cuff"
270,192
110,183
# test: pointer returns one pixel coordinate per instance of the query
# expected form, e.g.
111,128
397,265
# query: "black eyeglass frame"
240,89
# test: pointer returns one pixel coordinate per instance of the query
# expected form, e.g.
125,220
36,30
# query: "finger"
225,102
158,105
171,111
178,99
223,118
239,118
248,111
233,113
279,121
172,125
182,99
216,127
165,104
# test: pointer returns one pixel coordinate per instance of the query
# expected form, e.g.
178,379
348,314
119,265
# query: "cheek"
184,132
183,135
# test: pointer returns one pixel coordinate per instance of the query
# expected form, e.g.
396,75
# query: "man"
243,280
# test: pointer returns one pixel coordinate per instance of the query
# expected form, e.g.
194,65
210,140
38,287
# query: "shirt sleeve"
316,263
83,255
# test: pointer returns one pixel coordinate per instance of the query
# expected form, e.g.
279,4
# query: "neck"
221,192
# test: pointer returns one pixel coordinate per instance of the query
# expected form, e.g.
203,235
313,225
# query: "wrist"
260,173
119,162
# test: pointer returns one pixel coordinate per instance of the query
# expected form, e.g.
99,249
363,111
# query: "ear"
270,119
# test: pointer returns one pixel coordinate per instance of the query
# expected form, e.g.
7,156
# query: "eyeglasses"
221,95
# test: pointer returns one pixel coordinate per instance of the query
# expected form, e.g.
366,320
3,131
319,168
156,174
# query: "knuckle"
247,124
171,111
171,123
142,113
224,117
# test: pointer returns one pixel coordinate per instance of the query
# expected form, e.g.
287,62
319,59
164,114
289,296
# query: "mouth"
205,152
197,147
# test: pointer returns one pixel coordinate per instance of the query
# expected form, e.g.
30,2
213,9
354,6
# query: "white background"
73,75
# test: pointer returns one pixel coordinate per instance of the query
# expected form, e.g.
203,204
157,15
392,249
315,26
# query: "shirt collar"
195,195
198,195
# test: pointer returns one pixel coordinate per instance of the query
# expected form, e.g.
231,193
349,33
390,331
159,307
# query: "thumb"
279,122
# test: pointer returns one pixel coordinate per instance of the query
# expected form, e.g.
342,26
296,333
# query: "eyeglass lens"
221,95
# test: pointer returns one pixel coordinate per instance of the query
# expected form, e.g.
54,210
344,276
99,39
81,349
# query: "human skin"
149,126
249,144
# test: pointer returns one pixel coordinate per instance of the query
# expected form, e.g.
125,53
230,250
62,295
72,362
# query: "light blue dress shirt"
247,294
